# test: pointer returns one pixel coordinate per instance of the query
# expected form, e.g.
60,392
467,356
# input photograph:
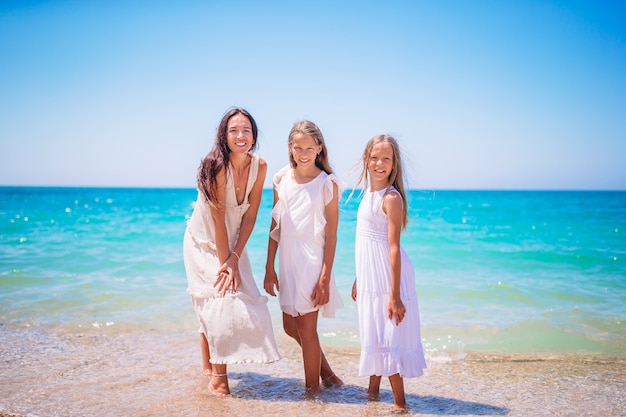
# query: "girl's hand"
395,308
228,276
271,281
321,293
354,290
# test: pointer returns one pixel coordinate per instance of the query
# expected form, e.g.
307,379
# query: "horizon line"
425,189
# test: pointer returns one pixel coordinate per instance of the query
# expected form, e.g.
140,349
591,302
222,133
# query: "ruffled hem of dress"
409,364
328,312
244,361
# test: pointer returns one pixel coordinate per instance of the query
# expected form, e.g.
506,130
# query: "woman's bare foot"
332,380
219,385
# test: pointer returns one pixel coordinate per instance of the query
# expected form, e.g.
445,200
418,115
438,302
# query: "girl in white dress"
304,225
384,289
235,320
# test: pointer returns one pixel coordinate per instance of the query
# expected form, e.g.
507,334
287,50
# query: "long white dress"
237,325
386,349
300,230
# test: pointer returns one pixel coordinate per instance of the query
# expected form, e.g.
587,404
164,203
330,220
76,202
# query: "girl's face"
380,164
239,134
304,149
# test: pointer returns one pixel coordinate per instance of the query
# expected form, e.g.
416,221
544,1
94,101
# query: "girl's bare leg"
327,375
311,351
206,356
373,391
397,387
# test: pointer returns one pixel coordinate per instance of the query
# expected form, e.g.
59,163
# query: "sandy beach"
157,374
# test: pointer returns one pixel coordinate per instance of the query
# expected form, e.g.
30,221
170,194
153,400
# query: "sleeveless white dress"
300,231
237,325
386,349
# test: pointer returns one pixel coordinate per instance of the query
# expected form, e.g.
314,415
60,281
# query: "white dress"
237,325
386,349
300,230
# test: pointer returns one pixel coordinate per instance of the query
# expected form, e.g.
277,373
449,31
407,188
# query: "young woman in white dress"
234,318
304,226
384,289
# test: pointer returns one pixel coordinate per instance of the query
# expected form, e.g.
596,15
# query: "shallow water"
492,268
150,373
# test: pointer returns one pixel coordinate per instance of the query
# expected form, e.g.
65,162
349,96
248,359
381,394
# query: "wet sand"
149,373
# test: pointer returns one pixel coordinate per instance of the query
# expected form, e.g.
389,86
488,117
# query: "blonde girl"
384,289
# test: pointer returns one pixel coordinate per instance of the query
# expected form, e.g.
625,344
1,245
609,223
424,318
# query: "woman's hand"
271,281
395,308
228,276
321,292
354,290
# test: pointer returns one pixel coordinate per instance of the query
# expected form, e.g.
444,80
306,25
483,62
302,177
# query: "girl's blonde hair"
396,176
309,128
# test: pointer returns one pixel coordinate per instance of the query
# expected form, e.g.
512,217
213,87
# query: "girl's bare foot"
373,396
332,380
312,392
400,408
219,385
373,390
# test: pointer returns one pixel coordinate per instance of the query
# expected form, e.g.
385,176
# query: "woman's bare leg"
219,381
206,356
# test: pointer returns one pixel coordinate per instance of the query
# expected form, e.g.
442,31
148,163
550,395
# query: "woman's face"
239,134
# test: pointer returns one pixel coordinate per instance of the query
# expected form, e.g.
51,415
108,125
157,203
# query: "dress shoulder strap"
254,170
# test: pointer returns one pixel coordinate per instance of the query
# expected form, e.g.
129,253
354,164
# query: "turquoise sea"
521,293
516,271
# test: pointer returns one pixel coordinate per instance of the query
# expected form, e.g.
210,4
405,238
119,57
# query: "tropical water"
513,271
498,273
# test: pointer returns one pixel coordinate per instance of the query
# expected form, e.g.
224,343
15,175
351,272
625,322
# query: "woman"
234,318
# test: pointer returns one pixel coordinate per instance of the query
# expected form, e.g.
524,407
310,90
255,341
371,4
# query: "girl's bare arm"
392,205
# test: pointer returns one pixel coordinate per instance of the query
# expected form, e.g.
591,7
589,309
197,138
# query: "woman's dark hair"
218,158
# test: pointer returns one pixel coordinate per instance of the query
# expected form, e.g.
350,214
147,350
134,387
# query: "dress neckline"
382,190
232,179
293,179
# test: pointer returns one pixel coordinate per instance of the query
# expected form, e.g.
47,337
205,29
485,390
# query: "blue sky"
480,94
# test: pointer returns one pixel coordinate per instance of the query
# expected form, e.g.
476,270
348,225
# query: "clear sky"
481,94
